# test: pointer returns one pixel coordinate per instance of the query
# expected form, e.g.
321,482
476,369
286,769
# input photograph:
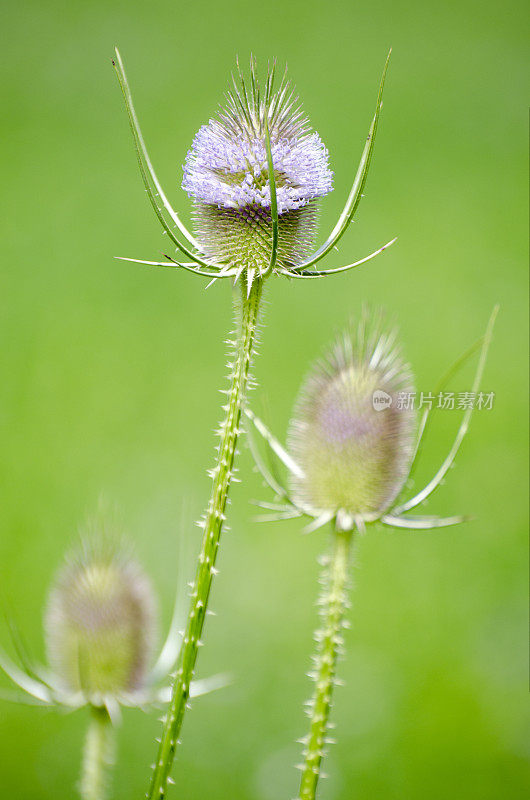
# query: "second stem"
98,756
329,640
213,524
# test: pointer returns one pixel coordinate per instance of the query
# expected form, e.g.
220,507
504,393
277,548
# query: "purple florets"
231,172
226,174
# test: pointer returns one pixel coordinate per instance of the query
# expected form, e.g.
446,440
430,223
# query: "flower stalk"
212,525
333,604
255,174
98,756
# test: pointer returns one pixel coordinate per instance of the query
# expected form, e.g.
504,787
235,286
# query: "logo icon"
381,400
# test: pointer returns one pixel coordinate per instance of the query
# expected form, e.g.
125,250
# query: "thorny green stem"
333,604
213,523
98,756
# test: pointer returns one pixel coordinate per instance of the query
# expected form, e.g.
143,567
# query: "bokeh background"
110,372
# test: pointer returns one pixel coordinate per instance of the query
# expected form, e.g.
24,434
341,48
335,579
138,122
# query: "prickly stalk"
333,604
212,525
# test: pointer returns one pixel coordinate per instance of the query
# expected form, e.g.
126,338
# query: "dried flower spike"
255,174
348,460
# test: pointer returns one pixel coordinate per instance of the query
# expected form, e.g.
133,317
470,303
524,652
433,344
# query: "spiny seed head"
226,174
100,622
355,454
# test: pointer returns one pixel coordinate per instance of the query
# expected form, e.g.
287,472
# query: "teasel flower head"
354,457
255,174
100,623
100,627
226,174
354,439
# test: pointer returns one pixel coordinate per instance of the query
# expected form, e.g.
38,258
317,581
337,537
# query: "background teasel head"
100,626
100,623
354,457
255,174
349,456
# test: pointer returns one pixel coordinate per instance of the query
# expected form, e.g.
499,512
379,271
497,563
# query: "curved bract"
356,191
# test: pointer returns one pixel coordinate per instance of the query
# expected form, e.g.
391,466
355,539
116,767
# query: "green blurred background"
110,372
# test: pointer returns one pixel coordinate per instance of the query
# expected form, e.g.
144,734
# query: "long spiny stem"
98,756
333,604
212,525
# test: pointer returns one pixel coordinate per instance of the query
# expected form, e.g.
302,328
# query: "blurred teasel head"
100,623
100,626
354,441
353,455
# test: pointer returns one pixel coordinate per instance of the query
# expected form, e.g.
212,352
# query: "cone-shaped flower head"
226,174
100,623
350,435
